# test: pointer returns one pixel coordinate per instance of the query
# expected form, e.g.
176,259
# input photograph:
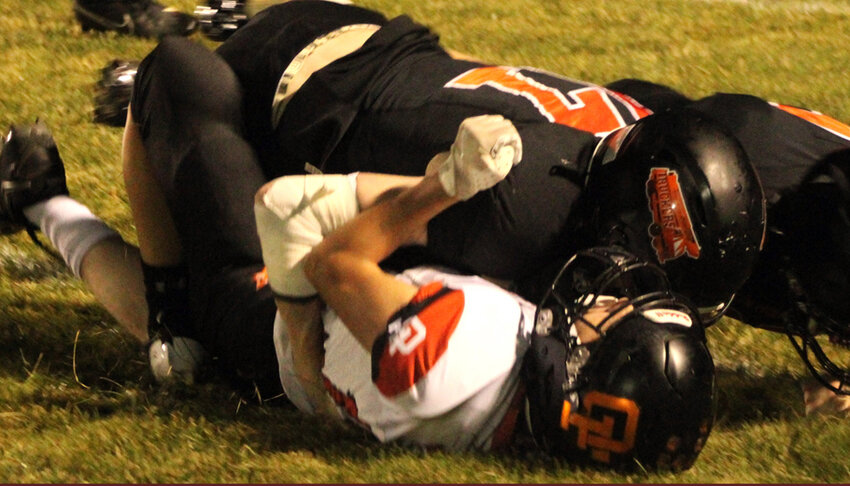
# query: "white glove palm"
484,151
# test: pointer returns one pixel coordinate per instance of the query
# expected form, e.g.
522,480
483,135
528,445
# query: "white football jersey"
446,372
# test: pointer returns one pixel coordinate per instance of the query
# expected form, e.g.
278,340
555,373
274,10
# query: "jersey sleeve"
446,346
783,143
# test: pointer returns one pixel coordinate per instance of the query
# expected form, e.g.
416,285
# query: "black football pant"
188,105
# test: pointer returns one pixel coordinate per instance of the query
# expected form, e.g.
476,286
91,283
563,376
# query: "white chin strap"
293,216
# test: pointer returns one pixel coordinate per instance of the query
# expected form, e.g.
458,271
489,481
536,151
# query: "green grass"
77,405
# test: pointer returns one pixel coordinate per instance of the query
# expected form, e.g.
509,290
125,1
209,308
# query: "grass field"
77,405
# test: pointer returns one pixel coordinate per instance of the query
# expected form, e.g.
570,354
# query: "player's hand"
820,400
484,151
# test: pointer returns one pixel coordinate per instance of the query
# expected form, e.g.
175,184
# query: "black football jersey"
783,142
398,101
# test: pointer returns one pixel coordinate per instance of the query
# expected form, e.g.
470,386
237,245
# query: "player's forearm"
304,328
344,266
373,188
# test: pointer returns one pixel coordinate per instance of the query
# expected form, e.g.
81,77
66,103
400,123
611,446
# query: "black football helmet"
642,392
801,284
676,189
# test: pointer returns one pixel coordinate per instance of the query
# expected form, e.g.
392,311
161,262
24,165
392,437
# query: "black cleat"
112,92
221,18
143,18
30,171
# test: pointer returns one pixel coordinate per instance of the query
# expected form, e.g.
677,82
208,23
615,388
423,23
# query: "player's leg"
158,239
193,191
34,194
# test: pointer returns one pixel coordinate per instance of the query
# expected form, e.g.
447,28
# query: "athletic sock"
70,226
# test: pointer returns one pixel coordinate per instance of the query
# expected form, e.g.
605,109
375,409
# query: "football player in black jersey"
344,89
800,284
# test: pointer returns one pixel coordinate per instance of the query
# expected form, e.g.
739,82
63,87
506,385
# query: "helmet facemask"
809,252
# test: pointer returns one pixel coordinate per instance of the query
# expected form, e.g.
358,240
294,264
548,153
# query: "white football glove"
177,361
484,151
293,216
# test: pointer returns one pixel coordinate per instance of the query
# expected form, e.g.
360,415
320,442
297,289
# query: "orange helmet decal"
671,230
613,431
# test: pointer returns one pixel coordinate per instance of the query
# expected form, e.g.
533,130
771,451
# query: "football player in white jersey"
609,368
433,358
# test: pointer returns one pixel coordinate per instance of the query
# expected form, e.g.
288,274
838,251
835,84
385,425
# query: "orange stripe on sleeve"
826,122
415,341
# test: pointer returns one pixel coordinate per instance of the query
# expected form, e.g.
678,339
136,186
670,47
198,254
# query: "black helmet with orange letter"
641,392
676,189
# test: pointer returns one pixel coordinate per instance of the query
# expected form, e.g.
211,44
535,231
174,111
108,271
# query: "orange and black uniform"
393,104
786,145
388,107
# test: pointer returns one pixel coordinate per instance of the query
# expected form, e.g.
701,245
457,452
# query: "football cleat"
30,171
143,18
219,19
112,92
178,360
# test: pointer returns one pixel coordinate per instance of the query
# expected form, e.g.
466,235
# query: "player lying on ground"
392,107
801,282
598,344
186,117
185,121
455,346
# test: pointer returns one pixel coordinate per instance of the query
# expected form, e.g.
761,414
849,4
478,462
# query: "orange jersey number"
589,108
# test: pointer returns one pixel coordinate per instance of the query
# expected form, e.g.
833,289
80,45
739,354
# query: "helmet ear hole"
680,365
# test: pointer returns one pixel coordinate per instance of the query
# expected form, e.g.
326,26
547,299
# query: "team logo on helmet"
608,424
671,229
